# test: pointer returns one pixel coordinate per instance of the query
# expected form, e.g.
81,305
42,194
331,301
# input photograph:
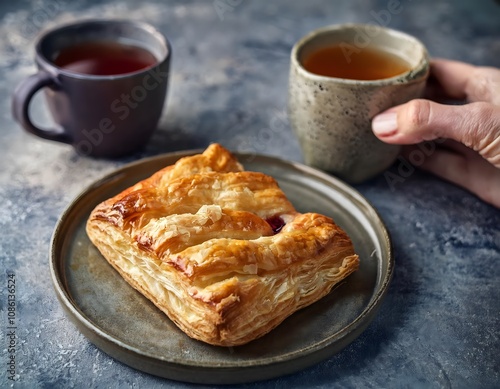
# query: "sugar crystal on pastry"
221,251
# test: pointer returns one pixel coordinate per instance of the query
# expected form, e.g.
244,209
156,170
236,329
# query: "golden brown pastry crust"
197,239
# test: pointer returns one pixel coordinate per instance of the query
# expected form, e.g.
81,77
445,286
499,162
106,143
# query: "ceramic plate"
125,325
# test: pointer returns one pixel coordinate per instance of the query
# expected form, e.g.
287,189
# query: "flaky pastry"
220,250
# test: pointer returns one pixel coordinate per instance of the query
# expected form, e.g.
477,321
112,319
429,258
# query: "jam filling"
276,223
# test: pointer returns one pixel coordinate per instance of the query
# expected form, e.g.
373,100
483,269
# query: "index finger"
460,80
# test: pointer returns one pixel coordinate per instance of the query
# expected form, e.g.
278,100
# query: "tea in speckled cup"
341,76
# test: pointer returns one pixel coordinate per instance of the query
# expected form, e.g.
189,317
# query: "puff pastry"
221,251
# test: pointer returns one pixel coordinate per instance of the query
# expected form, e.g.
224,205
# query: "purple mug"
99,115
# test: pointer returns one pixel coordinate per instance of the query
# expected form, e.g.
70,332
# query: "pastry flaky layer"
218,249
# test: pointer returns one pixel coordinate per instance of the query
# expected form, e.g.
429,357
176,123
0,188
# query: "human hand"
470,157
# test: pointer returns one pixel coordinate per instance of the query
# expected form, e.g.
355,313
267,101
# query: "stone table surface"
439,324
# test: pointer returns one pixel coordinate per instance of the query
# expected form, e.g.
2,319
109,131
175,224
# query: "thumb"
476,125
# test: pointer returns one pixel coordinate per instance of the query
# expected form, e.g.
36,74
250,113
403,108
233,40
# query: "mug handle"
21,101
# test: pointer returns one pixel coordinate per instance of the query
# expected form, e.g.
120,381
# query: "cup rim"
42,58
421,65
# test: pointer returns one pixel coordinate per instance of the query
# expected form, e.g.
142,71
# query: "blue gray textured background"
440,324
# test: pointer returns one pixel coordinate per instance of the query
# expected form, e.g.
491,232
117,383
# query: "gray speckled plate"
124,324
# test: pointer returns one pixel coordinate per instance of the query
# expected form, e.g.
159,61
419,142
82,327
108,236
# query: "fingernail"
385,124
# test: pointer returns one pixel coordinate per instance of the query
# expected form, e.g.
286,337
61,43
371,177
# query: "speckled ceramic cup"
331,117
